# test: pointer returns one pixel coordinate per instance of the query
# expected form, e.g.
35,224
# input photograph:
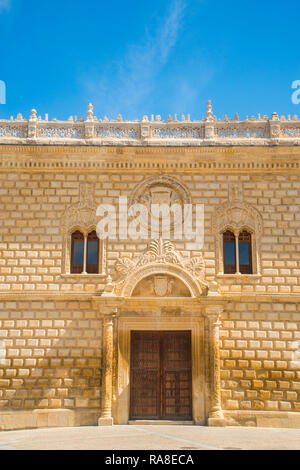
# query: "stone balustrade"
153,131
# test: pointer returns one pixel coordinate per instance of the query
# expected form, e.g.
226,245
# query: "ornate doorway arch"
152,269
161,257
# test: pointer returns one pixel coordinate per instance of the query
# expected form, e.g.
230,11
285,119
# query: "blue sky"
155,57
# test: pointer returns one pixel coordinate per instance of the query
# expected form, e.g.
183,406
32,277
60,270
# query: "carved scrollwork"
81,214
161,255
160,251
237,214
124,265
196,266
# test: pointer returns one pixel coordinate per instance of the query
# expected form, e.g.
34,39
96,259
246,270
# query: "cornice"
132,150
156,160
98,299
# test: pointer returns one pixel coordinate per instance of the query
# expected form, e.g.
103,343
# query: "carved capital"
213,312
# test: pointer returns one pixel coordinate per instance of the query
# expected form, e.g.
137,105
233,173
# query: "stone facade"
66,337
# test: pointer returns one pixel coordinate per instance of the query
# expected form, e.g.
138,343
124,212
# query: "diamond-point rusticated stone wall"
51,322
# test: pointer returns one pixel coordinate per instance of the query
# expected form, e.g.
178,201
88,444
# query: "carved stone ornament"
161,285
81,214
236,214
159,190
160,258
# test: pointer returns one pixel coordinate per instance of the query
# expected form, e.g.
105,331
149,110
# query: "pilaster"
106,418
216,417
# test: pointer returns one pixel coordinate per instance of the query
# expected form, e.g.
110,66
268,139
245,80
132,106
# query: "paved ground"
151,438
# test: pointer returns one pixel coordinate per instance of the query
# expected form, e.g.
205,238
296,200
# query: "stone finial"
145,119
274,117
169,118
235,193
236,117
158,118
90,112
108,290
119,118
86,194
209,110
33,115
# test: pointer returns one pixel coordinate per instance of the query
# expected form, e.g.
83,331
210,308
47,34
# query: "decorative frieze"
161,256
254,131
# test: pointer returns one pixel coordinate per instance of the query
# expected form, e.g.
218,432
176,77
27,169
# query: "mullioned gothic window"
237,252
84,253
237,226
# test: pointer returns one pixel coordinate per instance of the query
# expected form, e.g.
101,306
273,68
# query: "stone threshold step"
160,422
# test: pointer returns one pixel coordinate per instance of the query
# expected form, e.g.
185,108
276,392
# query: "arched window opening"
245,253
229,246
77,253
92,266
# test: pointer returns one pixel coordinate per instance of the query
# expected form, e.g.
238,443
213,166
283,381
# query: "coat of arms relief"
160,190
161,259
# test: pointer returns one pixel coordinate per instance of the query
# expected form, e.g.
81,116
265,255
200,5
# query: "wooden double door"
161,375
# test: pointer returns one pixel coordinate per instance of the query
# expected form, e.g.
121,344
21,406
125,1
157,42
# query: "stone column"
216,417
106,418
85,255
237,254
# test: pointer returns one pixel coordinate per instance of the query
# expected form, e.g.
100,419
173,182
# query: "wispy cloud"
4,5
124,86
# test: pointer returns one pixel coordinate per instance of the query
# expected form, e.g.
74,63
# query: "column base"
217,422
105,422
